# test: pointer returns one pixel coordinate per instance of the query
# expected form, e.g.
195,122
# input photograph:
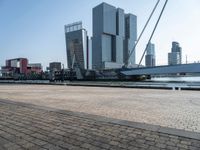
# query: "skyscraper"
114,36
150,55
76,45
130,38
175,57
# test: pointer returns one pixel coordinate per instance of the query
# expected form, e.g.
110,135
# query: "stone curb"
160,87
144,126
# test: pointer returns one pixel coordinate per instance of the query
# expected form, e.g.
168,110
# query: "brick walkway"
32,127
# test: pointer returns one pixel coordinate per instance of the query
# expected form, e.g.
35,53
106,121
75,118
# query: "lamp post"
63,73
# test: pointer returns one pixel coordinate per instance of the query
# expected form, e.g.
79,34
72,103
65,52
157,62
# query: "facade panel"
90,58
108,65
120,22
15,63
23,66
109,19
131,43
96,52
106,48
119,49
97,23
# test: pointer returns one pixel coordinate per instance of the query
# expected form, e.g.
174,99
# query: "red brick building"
17,65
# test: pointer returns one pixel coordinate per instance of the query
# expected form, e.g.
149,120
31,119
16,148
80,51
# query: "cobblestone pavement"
174,109
34,128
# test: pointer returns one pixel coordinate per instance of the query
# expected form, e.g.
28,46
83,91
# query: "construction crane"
144,28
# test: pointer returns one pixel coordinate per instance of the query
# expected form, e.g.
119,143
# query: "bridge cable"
153,32
142,31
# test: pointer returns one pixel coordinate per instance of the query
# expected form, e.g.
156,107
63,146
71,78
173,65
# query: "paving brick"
172,147
186,142
170,143
33,128
196,144
193,148
159,145
86,145
28,145
182,146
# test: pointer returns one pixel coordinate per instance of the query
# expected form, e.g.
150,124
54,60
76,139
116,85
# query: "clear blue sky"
35,28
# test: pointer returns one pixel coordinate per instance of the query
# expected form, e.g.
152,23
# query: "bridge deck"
184,68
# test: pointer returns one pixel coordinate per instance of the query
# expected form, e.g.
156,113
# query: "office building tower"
150,55
175,57
76,46
114,35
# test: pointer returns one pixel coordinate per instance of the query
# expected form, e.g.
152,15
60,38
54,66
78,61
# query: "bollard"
173,88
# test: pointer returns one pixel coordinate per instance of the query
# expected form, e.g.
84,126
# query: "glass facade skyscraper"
150,58
114,36
175,57
76,45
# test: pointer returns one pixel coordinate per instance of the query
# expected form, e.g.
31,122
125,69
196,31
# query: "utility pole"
186,59
63,72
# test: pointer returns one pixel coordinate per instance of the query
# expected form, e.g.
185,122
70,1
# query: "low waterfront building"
54,66
35,68
15,66
19,68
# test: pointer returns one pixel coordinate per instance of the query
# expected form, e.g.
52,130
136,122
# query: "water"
178,79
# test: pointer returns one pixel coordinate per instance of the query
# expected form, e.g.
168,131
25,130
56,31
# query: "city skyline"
34,29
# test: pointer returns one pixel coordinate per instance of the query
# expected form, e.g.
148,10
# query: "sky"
34,29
